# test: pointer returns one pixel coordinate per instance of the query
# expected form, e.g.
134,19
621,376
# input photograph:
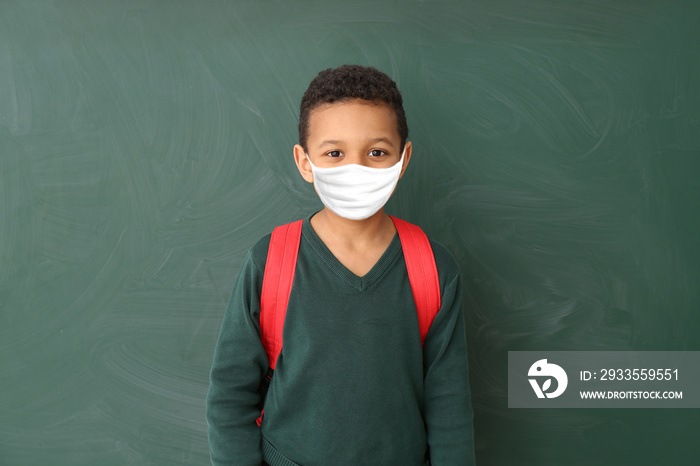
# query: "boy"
352,384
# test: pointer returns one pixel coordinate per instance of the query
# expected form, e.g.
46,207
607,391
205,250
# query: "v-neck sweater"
352,385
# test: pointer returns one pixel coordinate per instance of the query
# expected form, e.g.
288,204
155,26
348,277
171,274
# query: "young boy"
352,384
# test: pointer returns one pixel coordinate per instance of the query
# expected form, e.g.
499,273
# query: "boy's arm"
238,366
448,409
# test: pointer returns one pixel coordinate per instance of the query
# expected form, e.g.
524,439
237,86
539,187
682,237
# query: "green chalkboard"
145,145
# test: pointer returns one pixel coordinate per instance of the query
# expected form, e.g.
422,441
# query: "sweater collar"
360,283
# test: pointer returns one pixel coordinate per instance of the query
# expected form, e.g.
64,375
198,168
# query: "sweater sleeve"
239,364
448,409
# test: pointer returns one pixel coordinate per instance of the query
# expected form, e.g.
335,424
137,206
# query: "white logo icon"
542,369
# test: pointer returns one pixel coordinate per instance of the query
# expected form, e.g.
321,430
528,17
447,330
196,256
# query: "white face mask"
354,191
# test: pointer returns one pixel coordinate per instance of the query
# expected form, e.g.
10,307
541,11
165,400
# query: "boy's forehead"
352,118
350,102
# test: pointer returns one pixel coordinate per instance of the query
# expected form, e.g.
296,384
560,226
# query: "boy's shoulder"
258,253
447,266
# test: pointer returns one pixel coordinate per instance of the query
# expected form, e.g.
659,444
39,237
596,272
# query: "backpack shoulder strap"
277,285
422,272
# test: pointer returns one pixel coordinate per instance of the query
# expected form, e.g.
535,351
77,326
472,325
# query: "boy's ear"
406,157
303,163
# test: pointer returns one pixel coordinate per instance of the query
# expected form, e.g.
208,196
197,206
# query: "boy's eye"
334,153
376,153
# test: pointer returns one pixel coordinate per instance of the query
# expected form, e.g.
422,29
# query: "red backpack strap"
277,285
422,273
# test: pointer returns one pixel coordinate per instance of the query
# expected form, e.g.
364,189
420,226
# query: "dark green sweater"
352,385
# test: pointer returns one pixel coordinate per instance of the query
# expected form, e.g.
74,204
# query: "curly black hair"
349,82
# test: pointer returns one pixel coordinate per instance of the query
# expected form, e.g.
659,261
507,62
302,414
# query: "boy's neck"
333,229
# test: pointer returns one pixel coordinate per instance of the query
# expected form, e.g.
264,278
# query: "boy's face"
354,131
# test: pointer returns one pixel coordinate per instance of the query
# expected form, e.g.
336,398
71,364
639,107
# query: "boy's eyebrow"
329,142
383,139
334,142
